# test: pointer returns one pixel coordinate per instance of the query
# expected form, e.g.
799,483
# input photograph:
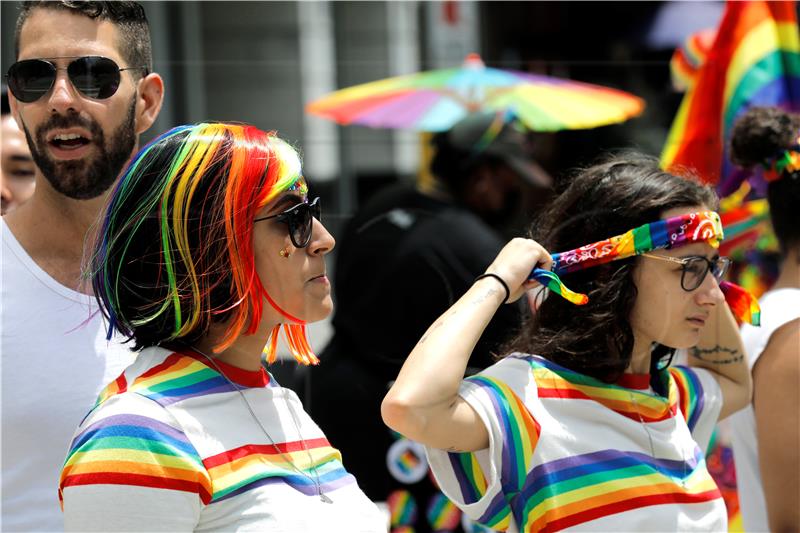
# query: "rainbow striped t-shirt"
568,451
171,446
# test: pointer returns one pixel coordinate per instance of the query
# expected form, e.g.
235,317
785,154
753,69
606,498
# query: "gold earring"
284,253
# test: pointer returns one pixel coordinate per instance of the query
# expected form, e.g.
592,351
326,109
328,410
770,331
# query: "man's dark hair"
602,201
129,17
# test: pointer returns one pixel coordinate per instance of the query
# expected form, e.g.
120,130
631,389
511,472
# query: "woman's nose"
322,242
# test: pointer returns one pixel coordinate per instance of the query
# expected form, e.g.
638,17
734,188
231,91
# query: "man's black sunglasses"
93,76
300,222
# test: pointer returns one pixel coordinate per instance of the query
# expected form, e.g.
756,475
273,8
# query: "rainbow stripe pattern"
179,377
687,60
242,469
555,381
744,305
442,514
136,448
402,507
520,435
690,393
436,100
554,494
754,61
567,492
746,223
704,226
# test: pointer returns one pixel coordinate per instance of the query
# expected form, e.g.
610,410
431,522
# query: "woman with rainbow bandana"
209,246
583,426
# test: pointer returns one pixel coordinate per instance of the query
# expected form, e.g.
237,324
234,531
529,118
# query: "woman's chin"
690,340
320,311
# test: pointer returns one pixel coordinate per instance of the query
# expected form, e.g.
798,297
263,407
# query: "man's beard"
84,179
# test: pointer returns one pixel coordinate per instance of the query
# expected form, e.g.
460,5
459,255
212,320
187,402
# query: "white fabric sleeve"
130,467
700,401
475,481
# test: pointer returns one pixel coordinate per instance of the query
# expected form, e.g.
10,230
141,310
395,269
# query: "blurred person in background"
766,435
83,90
16,166
404,259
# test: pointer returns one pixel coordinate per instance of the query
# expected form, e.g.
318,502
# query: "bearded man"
82,90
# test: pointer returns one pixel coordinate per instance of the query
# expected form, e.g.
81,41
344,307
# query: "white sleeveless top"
777,308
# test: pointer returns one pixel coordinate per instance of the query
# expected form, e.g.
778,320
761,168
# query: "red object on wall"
450,12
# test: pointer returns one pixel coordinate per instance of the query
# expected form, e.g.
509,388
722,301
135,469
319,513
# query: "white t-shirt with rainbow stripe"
568,451
171,446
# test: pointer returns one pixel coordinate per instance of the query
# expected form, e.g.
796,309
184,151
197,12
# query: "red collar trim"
240,376
635,381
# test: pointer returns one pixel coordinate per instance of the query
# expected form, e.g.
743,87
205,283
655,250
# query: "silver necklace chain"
315,480
650,438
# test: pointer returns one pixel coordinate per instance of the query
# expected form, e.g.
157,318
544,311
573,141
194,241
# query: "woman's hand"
515,262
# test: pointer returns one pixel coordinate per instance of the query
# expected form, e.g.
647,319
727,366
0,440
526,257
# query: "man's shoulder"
459,228
39,260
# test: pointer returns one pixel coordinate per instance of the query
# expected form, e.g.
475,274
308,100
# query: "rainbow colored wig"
174,252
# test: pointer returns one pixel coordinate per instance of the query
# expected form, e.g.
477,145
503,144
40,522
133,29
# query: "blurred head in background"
485,163
16,165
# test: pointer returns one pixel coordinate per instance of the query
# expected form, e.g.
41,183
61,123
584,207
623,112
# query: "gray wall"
240,61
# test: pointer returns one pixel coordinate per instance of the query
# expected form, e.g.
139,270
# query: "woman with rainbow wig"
582,424
209,250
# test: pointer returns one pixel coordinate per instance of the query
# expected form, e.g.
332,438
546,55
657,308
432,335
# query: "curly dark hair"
602,201
129,17
760,134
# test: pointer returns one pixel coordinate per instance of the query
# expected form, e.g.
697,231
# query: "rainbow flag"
688,59
754,61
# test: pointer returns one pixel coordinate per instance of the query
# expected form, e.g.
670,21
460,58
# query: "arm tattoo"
436,325
482,297
707,355
475,301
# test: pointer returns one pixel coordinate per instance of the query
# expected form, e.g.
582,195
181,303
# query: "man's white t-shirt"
55,361
777,308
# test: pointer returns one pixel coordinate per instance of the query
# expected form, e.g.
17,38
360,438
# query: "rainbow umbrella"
435,100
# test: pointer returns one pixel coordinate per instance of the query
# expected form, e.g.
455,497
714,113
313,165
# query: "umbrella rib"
455,95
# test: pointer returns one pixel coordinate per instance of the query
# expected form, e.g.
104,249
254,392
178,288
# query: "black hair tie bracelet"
498,278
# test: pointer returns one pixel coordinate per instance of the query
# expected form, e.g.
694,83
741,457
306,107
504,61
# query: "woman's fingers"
515,262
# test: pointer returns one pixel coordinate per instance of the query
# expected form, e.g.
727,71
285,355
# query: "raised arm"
721,352
423,404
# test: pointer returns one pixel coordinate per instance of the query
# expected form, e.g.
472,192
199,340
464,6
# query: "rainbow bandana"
704,226
786,161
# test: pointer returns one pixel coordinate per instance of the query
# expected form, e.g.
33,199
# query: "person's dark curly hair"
129,17
602,201
760,134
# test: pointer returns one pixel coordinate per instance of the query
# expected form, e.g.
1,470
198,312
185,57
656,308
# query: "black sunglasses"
300,222
694,269
93,76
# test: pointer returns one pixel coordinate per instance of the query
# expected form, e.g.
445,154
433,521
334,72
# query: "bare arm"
721,352
423,404
776,401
